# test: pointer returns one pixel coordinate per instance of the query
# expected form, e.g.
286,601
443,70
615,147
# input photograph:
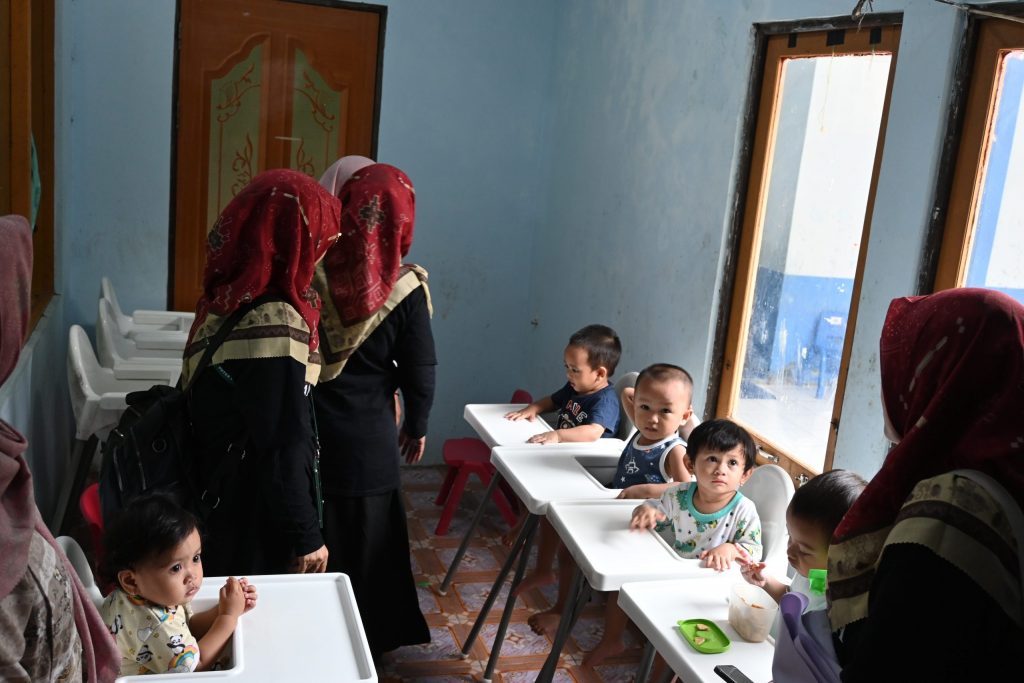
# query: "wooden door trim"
380,10
993,35
777,47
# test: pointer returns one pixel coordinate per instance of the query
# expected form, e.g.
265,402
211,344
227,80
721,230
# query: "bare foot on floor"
535,580
508,539
603,651
546,622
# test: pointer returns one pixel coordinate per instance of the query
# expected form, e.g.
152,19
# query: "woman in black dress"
253,398
375,328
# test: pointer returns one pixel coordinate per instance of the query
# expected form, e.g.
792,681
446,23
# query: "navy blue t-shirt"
574,410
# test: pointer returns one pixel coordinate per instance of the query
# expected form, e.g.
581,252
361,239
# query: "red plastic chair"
89,504
472,456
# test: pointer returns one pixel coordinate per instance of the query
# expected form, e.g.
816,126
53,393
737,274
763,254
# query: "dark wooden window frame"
739,260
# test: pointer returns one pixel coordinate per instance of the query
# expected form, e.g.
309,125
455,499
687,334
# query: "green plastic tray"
716,641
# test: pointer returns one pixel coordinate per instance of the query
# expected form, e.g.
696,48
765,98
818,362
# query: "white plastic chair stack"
166,330
178,321
121,354
97,400
770,488
76,556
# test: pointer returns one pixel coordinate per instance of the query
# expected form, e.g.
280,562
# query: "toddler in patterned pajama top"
709,518
154,558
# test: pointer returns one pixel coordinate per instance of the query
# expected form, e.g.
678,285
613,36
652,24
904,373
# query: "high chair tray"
489,421
609,553
540,475
305,627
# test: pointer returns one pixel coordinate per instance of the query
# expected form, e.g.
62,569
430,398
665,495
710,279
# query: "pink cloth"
341,170
19,516
15,284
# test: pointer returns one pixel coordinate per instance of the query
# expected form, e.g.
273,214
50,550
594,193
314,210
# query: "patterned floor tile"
451,617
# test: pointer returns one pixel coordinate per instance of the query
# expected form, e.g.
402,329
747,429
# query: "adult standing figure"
924,580
376,335
49,629
255,392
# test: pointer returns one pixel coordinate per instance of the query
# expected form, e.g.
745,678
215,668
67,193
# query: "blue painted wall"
464,110
575,161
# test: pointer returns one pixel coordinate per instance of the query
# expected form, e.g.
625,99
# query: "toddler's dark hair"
601,344
660,372
721,436
825,499
147,527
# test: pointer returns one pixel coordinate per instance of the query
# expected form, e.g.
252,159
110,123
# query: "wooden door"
263,84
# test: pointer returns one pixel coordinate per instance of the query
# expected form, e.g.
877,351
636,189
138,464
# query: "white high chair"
175,321
770,488
123,356
81,566
171,334
626,427
97,401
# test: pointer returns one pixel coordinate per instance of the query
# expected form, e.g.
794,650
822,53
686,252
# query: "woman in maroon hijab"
49,630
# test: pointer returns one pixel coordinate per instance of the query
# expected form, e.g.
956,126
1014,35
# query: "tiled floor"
451,617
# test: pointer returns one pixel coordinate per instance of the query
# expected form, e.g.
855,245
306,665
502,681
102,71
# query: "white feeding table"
656,606
305,627
608,554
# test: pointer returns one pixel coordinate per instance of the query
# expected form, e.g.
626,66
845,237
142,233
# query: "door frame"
380,10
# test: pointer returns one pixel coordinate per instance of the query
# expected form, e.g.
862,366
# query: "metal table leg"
518,547
578,594
510,603
646,662
477,516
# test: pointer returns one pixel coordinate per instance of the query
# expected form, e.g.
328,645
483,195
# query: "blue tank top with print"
644,464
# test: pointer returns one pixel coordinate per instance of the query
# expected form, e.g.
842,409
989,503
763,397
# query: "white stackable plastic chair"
170,334
123,356
81,566
770,488
626,428
175,321
97,401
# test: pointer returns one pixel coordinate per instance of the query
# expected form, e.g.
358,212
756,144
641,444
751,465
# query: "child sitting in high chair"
154,557
587,406
658,404
813,514
588,410
708,518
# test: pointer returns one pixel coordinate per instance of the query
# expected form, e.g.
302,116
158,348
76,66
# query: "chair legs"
446,487
455,483
504,506
454,494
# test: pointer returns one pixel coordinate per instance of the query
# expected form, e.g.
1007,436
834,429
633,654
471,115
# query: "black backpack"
153,447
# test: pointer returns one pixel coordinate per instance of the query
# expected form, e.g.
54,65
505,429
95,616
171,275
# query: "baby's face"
583,378
174,578
660,407
808,545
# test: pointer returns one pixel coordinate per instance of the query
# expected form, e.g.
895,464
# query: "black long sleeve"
355,411
263,401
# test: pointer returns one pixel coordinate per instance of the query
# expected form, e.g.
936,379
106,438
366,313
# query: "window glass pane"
997,254
827,122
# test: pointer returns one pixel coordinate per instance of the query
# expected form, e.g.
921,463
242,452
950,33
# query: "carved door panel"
263,84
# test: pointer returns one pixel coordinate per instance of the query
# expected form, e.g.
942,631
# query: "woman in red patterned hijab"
924,550
253,399
267,240
375,338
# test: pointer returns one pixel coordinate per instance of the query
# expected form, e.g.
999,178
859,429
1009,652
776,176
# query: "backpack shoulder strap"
214,342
